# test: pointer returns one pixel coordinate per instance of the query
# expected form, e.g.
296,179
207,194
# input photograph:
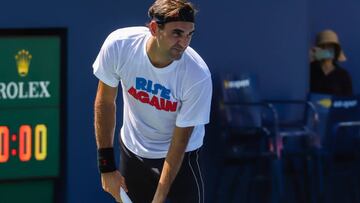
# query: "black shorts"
142,177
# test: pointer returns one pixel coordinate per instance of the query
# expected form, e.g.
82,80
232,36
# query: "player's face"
174,38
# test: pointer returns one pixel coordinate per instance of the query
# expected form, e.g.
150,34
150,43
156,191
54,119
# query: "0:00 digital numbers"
24,143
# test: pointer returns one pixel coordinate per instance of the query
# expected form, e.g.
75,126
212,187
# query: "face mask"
323,54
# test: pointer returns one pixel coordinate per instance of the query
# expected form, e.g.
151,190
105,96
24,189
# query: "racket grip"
124,197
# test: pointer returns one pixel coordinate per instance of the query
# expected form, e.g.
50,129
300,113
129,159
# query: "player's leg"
188,185
140,181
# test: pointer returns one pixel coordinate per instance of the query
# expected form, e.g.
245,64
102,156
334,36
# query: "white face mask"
323,54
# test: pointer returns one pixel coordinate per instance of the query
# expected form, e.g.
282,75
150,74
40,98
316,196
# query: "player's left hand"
111,183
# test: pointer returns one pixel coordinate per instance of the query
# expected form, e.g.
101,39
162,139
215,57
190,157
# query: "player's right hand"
111,183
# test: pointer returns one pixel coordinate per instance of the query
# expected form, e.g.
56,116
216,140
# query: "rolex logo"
23,59
14,90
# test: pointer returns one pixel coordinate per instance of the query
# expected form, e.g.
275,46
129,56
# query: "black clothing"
338,82
142,176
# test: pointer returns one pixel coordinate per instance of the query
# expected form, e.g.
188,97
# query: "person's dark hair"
337,52
163,11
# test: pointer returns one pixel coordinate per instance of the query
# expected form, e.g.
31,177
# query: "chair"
299,146
341,149
343,126
248,142
255,131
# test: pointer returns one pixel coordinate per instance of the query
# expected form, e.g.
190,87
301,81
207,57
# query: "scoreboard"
32,106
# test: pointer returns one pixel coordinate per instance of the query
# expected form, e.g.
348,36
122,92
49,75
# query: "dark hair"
337,52
163,11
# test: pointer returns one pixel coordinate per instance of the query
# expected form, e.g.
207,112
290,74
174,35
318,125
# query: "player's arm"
105,118
105,115
172,162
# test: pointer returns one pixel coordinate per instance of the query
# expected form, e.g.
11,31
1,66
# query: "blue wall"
267,38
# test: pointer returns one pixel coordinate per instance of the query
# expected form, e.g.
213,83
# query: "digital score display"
28,145
24,148
30,104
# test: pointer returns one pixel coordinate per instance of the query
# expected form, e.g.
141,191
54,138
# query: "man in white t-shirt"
167,93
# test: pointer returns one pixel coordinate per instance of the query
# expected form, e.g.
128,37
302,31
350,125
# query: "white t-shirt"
155,99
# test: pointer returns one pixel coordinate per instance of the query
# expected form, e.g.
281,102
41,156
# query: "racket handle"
124,197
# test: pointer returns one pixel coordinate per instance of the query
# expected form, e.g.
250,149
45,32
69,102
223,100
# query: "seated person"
326,75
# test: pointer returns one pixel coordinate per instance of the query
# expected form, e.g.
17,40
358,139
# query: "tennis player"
167,90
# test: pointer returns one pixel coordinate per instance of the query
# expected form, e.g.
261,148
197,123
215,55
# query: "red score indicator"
4,146
25,143
13,152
